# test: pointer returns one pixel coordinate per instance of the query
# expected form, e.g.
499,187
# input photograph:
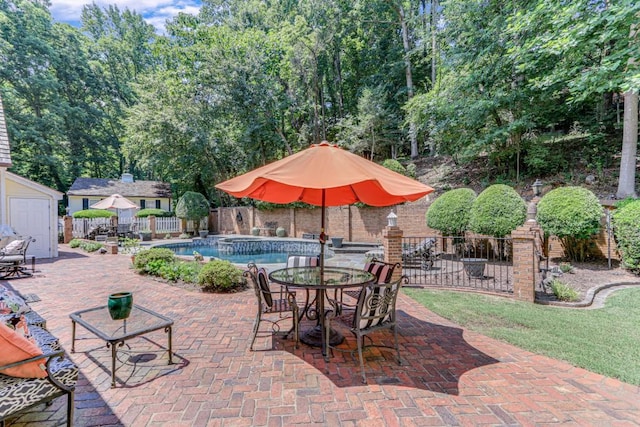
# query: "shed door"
31,217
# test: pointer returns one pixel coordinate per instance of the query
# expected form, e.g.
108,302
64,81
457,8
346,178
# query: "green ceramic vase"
120,304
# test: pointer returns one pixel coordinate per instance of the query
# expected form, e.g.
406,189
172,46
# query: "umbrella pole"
322,240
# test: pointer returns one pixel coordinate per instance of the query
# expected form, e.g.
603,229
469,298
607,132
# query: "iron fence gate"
478,263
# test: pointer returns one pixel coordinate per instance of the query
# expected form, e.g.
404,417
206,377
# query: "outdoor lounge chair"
13,259
376,309
269,303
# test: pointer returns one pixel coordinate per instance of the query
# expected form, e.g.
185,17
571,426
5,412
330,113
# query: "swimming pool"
243,250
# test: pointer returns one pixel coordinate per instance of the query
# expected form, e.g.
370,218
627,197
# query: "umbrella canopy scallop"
326,175
115,201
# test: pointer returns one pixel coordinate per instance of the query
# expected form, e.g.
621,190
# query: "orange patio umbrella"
325,175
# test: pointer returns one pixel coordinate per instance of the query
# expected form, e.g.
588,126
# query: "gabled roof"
105,187
34,185
5,152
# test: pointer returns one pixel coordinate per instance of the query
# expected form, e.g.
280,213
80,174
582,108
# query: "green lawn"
606,340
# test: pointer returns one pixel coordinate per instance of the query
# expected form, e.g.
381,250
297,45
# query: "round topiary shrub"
143,213
450,212
221,276
192,206
573,215
497,211
626,228
94,213
143,258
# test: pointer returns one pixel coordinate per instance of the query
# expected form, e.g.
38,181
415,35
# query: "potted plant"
145,235
204,233
281,232
192,206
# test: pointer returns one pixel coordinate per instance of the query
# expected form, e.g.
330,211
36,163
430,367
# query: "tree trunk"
409,76
627,179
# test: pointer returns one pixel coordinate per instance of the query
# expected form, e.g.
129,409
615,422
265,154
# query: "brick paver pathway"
449,376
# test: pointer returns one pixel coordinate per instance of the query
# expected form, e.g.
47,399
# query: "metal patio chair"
13,260
376,310
270,304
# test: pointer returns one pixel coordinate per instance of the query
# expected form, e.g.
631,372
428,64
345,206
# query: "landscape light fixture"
392,220
537,188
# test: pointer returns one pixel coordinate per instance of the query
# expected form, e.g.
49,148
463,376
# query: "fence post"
68,228
526,263
392,241
152,226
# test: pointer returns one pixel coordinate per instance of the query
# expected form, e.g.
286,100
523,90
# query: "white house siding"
19,192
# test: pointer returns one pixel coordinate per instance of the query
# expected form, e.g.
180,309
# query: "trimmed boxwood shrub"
154,254
450,212
626,228
220,275
572,214
395,166
497,211
94,213
143,213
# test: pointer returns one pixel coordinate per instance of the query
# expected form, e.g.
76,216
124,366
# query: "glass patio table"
115,332
308,278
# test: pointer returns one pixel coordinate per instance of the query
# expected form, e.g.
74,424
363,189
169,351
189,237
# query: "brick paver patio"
449,376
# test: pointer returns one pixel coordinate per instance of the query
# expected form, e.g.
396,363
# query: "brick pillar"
152,226
68,228
392,241
526,263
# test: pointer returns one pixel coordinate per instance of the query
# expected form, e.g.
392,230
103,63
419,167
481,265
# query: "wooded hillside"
521,88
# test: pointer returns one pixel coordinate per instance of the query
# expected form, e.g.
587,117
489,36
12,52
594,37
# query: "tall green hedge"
450,212
143,213
93,213
497,211
572,214
626,228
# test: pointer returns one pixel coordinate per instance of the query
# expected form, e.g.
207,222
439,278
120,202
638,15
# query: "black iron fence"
478,263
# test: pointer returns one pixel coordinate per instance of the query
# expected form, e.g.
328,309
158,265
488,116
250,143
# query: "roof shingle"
5,151
106,187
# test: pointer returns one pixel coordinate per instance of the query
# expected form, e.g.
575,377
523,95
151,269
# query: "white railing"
168,225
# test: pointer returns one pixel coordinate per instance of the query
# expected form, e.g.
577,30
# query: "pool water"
209,251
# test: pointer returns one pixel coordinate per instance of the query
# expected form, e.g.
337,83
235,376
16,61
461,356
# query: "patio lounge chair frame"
13,264
424,253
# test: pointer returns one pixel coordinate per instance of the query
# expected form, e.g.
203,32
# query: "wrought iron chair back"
376,310
270,302
383,272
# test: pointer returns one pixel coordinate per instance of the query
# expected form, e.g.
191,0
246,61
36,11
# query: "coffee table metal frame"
115,340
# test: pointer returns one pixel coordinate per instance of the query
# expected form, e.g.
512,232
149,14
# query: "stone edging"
589,297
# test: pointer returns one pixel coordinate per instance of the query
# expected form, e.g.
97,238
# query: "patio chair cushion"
17,394
381,270
14,248
19,324
15,348
12,303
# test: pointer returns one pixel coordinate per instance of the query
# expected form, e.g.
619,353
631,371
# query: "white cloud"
155,12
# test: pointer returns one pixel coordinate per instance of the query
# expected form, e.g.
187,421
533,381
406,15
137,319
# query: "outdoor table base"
321,280
314,338
115,332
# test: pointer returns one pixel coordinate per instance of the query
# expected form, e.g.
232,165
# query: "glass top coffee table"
115,332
